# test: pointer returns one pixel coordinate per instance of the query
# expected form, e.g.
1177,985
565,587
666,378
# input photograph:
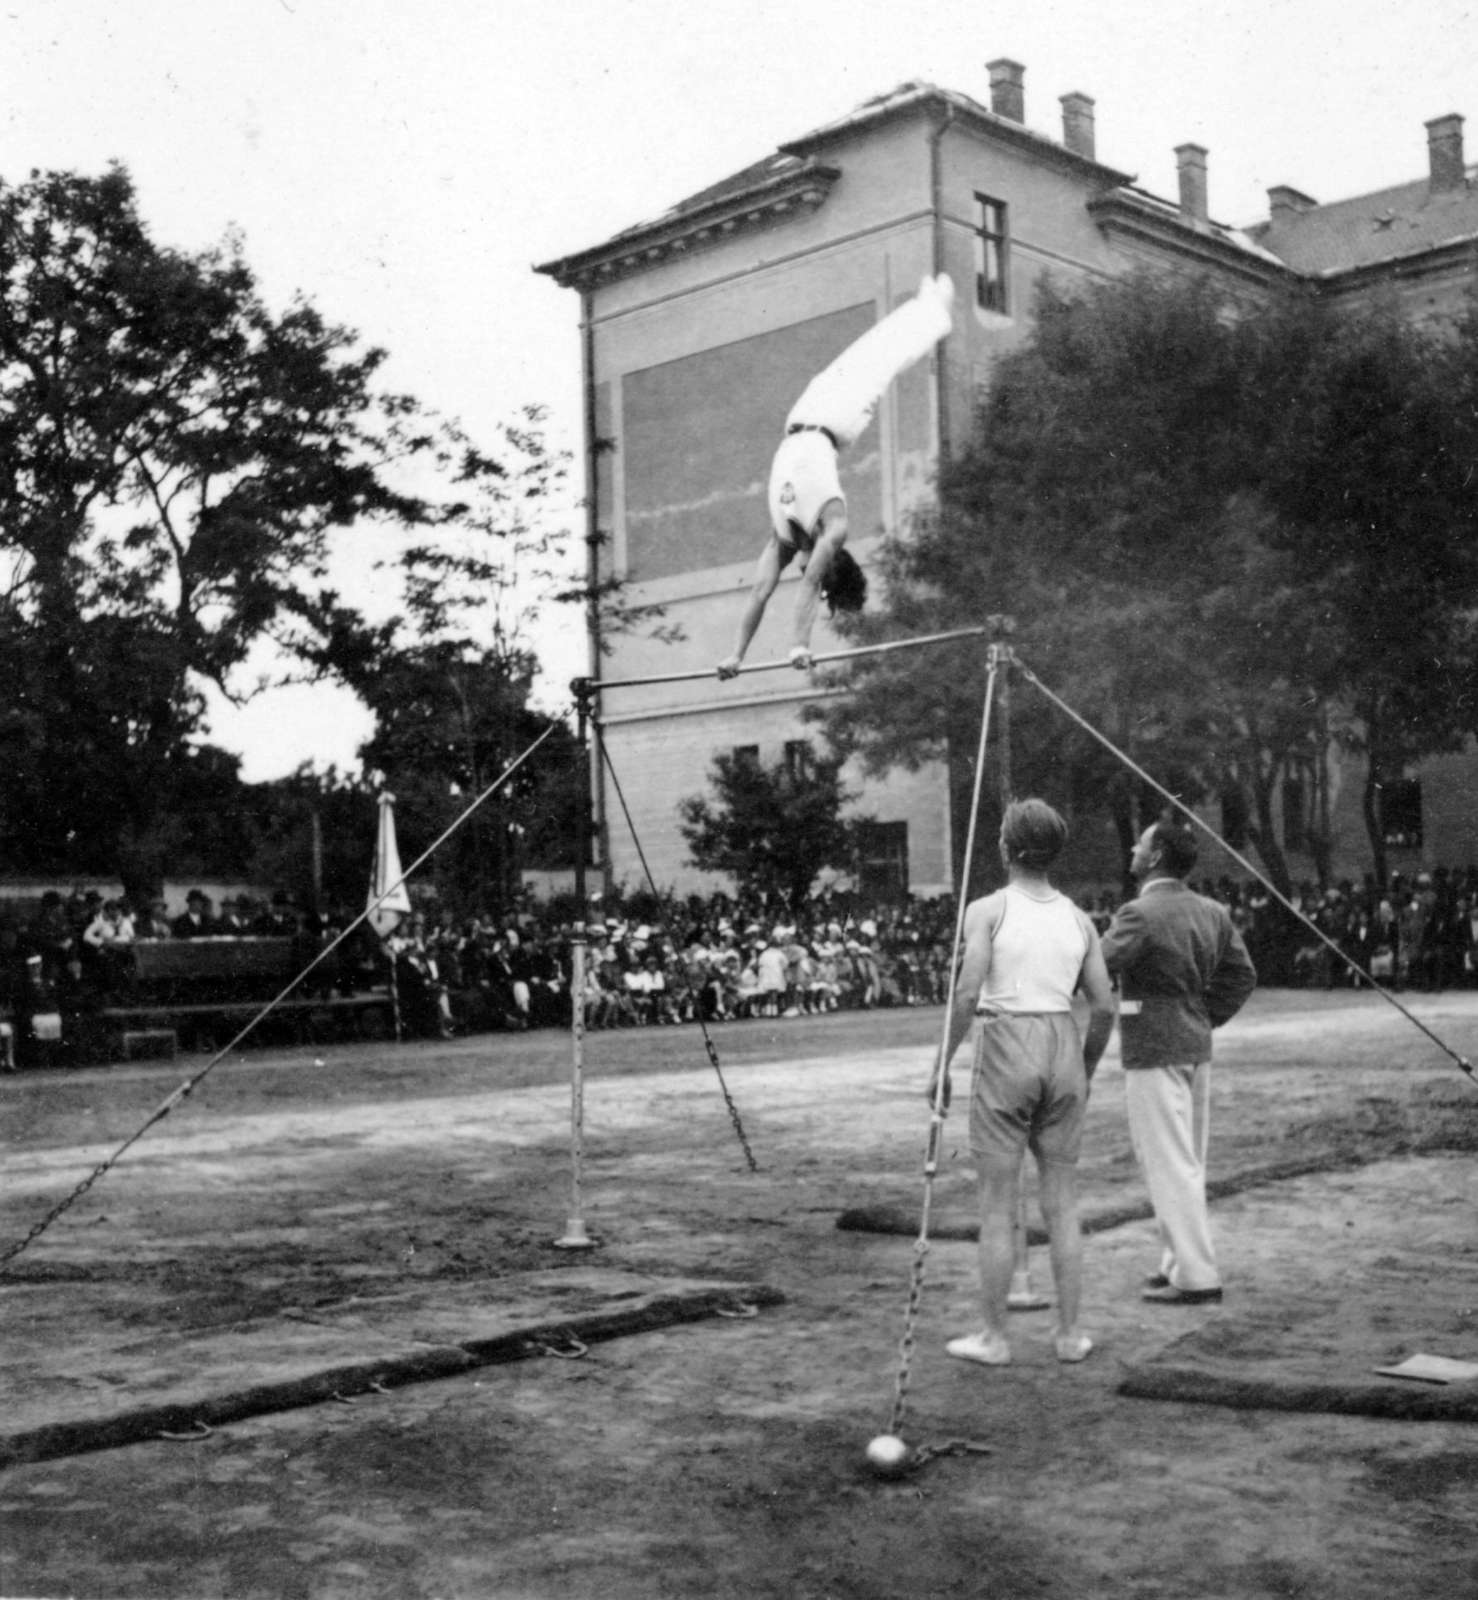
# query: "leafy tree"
312,835
1377,510
174,459
770,828
1161,489
449,721
450,679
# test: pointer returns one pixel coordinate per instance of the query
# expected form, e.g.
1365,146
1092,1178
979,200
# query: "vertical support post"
1022,1296
316,836
395,992
575,1236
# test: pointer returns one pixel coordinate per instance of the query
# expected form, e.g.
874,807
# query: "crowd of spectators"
1419,932
662,962
63,956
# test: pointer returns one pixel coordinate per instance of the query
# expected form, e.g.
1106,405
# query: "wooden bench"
136,1044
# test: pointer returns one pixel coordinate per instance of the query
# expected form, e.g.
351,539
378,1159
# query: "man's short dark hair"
1176,841
1033,834
844,583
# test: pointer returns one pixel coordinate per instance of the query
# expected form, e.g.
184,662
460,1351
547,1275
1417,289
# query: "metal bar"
775,666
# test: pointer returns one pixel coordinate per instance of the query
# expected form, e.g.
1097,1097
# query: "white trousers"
1169,1116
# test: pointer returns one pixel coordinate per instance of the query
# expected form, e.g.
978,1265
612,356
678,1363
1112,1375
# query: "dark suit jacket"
1180,957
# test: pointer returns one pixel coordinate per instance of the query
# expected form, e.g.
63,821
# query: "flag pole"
575,1236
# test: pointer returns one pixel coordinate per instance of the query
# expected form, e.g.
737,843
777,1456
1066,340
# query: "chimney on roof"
1191,161
1007,97
1445,152
1077,124
1284,203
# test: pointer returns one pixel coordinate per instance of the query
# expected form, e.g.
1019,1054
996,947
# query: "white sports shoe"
989,1349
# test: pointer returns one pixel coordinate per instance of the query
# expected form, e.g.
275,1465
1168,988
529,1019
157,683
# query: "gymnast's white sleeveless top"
1037,954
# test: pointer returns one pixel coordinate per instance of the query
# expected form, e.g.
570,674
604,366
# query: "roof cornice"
1426,261
961,112
767,203
1146,221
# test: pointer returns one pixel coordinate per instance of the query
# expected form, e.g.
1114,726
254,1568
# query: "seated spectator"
825,990
619,1011
747,998
195,921
112,928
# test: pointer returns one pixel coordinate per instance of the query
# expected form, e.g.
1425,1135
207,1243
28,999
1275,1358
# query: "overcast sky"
405,163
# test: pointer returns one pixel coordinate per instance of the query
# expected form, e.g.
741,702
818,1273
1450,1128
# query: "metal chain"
997,655
663,924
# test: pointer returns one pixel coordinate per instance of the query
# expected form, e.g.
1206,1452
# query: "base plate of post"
575,1237
1022,1297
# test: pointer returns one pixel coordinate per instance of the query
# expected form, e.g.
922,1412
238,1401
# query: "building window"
797,760
746,755
882,862
992,255
1401,812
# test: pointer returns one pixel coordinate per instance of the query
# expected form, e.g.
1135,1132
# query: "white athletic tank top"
1037,954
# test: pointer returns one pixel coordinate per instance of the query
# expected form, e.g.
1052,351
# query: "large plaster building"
702,327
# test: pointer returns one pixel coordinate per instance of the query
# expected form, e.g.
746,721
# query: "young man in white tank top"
1028,949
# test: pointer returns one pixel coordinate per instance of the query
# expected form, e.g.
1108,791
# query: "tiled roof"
755,176
766,186
1371,228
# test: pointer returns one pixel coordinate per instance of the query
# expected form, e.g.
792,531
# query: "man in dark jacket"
1182,970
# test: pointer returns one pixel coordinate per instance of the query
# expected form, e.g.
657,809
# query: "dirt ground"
724,1457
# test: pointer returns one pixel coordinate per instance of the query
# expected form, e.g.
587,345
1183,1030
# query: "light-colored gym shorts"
1028,1089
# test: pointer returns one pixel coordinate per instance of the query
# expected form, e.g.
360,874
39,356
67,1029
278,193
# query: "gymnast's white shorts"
802,479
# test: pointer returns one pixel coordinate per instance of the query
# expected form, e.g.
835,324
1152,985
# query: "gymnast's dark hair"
1033,834
844,583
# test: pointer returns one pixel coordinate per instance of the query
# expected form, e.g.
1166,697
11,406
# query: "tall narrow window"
882,861
992,255
798,760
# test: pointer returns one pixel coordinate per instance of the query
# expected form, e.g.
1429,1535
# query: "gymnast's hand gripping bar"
599,686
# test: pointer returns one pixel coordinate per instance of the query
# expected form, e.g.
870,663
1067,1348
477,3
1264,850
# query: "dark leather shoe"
1157,1280
1171,1296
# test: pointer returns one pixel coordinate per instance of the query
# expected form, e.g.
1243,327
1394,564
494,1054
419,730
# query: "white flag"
387,910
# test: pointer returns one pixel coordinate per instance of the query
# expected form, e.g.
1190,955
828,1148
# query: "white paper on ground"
1432,1369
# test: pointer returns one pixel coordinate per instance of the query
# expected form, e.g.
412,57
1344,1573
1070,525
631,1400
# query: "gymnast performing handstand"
808,512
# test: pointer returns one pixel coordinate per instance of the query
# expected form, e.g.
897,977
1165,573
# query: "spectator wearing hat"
195,921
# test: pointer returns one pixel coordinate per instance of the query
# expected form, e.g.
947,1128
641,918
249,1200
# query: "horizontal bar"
597,686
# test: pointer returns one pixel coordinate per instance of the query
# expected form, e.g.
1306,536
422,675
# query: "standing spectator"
1183,970
1028,949
774,975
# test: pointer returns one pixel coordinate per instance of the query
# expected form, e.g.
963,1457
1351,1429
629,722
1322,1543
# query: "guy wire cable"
1242,861
708,1045
168,1105
937,1109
